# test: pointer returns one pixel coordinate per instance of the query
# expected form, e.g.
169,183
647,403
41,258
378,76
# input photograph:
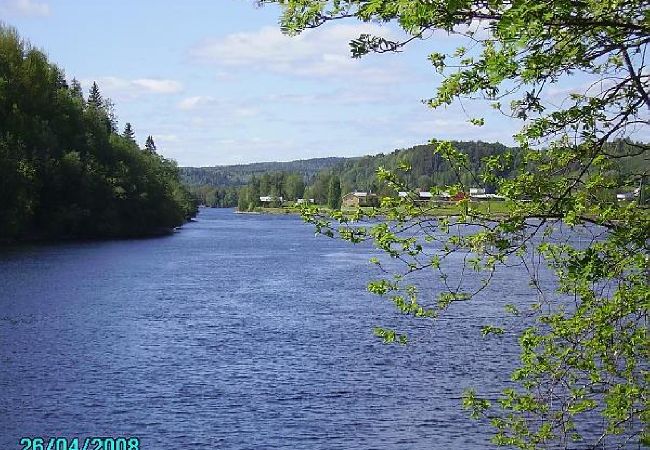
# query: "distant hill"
427,169
221,185
239,175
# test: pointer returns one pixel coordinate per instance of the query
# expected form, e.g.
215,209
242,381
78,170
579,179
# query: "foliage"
428,169
63,170
334,192
128,132
150,145
583,373
221,186
240,175
249,196
214,186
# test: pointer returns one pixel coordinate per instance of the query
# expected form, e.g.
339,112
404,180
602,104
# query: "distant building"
422,196
476,191
300,201
488,197
271,199
354,199
627,196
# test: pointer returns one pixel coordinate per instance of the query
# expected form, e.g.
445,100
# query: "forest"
65,169
242,185
226,185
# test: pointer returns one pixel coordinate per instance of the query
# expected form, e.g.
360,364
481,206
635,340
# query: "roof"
360,194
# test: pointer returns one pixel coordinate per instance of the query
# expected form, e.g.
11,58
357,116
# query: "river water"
236,332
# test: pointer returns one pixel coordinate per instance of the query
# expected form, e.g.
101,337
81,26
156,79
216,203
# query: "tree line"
65,170
427,169
324,180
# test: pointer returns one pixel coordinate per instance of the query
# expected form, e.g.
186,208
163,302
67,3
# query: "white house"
270,199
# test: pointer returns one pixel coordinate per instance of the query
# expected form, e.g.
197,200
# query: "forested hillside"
65,171
244,184
427,169
222,186
239,175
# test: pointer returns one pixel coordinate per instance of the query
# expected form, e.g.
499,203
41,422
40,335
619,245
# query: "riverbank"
493,208
36,238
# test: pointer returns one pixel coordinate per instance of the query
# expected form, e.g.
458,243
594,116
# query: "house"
422,196
300,201
626,196
271,199
355,199
476,191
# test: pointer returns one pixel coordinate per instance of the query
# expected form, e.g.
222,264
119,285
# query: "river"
236,332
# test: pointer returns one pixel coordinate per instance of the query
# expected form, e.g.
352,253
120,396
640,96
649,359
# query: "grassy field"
486,207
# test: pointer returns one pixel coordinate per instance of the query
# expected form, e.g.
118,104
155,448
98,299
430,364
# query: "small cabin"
356,199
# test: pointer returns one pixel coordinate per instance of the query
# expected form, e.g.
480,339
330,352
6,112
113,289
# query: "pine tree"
61,82
150,145
95,97
109,107
128,132
75,88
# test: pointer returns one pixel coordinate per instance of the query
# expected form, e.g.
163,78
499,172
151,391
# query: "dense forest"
240,174
220,186
65,170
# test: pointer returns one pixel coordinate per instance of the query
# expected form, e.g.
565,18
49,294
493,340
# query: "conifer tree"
150,145
109,107
95,97
128,132
75,89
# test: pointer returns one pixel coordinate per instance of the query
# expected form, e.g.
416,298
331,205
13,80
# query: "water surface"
237,332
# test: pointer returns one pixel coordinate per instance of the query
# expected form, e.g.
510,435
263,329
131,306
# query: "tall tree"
109,107
334,192
294,186
95,97
76,89
150,145
584,347
128,132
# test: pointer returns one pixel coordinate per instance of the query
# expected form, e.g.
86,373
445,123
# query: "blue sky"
215,82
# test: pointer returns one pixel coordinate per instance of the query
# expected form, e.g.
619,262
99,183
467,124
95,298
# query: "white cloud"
121,88
314,53
195,102
166,138
246,112
219,107
158,86
24,8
